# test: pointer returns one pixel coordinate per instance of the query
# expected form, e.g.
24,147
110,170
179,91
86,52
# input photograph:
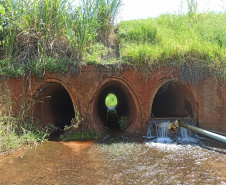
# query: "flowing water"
118,160
159,129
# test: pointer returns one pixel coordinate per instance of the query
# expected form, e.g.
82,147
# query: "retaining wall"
87,89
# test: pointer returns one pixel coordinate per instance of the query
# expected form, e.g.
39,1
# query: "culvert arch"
128,105
55,103
172,99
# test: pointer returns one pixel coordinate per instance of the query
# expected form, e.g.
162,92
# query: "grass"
80,136
52,34
78,129
35,32
179,40
111,100
21,129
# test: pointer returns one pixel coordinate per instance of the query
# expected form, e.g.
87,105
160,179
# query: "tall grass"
192,7
176,40
18,129
33,31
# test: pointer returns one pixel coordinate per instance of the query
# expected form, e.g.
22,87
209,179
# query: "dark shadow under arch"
173,99
54,105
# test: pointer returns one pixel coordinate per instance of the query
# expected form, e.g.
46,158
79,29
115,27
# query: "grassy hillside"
52,34
194,41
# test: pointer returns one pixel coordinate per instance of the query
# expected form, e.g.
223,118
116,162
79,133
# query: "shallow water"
117,160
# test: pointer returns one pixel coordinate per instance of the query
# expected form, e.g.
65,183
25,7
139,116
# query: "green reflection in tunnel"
111,100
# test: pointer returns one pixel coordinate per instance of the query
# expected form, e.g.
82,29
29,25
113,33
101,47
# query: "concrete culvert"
173,99
55,105
110,118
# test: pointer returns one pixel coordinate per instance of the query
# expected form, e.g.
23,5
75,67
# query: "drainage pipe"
203,132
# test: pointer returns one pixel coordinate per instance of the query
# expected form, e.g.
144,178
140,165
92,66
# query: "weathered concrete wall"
88,88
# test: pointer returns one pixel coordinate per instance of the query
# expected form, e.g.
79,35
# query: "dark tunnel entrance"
173,100
56,107
125,109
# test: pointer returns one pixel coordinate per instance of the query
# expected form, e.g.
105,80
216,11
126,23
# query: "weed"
80,135
78,129
40,33
51,34
192,7
123,122
75,122
19,129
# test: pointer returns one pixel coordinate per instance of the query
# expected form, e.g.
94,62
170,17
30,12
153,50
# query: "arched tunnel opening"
55,105
173,99
118,118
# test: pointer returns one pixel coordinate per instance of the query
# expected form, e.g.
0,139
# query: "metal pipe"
203,132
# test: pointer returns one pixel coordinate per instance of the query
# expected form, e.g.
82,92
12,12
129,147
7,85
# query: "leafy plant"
2,12
78,129
123,122
75,122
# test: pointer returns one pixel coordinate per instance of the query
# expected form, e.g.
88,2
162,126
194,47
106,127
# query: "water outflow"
112,121
169,131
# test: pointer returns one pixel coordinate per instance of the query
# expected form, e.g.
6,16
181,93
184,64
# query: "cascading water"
186,135
163,132
169,131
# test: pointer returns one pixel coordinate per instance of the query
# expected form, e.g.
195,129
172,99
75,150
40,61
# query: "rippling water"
117,161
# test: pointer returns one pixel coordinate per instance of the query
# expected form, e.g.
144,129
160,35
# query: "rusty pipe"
203,132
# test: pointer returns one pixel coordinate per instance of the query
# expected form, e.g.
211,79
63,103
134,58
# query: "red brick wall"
208,95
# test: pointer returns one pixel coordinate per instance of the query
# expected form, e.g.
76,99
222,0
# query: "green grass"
176,40
21,129
53,34
111,100
32,33
80,135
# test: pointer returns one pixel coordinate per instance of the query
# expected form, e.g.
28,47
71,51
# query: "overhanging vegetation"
53,34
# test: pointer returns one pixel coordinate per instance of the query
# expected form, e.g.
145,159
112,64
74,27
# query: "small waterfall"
164,132
162,129
150,132
186,135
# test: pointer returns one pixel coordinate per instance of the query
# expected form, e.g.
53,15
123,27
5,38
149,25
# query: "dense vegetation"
53,34
196,42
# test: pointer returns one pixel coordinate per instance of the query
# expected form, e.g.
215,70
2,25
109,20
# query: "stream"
117,160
